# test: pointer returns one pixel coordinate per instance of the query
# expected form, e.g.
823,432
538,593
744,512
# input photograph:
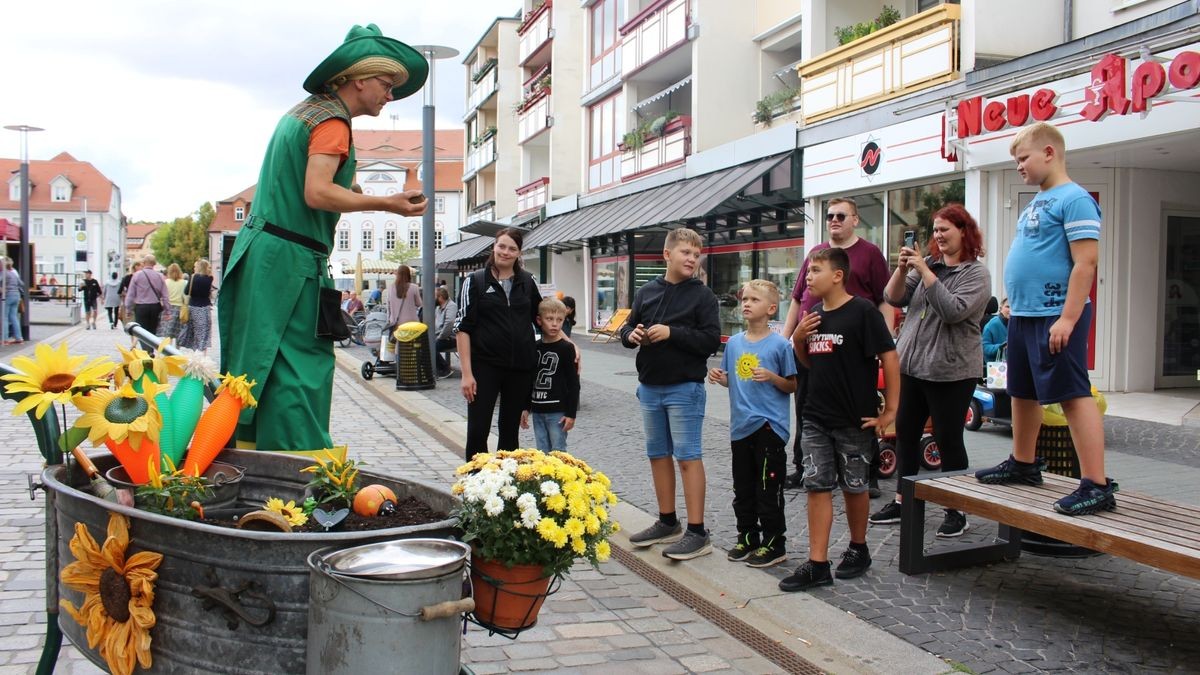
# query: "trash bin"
414,358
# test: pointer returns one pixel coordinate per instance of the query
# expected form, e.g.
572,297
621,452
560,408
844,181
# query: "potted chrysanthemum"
528,517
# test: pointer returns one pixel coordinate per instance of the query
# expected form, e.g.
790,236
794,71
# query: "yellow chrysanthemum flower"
592,523
545,469
288,510
556,503
54,376
574,527
547,529
159,366
457,489
603,551
746,364
577,507
578,545
525,472
119,414
602,514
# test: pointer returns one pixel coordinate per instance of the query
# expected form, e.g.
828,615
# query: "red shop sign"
1110,92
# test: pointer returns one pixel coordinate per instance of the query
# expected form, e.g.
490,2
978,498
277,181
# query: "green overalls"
267,307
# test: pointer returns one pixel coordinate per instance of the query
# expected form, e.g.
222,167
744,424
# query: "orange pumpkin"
370,498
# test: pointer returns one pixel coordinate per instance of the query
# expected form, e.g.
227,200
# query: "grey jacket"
940,339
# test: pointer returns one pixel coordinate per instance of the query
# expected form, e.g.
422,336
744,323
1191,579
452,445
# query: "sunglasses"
840,217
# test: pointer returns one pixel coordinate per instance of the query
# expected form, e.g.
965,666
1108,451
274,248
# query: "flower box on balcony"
483,70
533,15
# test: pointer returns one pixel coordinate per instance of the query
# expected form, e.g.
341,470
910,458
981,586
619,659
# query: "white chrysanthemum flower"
550,488
508,465
493,505
508,492
526,501
530,518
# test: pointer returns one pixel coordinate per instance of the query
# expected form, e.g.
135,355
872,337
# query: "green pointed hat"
367,52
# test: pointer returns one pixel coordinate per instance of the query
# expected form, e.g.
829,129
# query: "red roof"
140,230
225,219
85,179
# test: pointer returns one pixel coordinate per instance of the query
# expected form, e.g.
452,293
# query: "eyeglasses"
840,217
387,81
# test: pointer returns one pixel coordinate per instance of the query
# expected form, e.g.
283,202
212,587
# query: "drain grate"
741,631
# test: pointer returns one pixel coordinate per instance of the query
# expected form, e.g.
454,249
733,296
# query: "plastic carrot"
217,423
166,437
135,461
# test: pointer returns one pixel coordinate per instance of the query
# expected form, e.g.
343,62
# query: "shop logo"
870,157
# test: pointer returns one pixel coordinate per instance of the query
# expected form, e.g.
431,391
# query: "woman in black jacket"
497,311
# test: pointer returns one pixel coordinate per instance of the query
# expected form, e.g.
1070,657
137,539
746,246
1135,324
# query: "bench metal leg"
914,559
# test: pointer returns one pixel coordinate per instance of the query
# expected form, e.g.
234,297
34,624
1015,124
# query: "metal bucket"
390,607
193,635
224,479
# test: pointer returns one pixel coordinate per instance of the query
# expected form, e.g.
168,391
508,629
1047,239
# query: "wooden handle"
85,463
448,608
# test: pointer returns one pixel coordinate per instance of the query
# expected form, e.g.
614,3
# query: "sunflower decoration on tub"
524,507
54,376
118,591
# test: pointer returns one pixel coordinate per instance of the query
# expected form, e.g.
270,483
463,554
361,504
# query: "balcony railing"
534,32
533,195
655,31
913,54
480,157
485,211
534,118
482,90
669,149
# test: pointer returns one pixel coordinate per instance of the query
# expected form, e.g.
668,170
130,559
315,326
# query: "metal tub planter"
226,600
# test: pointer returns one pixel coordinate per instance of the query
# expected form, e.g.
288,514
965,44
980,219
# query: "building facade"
75,218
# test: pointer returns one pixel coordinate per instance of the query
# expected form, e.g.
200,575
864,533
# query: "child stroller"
377,331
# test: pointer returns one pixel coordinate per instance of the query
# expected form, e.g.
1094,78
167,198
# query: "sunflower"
53,376
288,510
118,595
746,364
115,415
158,366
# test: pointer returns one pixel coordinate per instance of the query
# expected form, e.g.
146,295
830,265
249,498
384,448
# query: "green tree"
184,240
402,254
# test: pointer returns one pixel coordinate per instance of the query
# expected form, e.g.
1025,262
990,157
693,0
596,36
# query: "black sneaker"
809,575
954,524
873,486
1011,471
658,533
769,555
692,545
1088,498
794,481
887,515
745,545
854,563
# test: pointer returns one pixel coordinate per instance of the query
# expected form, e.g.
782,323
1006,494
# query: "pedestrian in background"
175,287
10,326
147,297
196,333
112,299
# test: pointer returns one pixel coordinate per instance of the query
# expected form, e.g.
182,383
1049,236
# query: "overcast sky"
175,101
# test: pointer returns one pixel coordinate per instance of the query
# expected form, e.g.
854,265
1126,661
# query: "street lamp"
25,265
432,54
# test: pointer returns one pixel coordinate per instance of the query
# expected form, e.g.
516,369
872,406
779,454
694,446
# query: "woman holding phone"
941,356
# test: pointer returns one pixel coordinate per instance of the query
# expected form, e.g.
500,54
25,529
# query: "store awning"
9,230
466,249
675,203
372,267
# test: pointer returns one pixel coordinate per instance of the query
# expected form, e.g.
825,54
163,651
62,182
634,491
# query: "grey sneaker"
692,545
658,533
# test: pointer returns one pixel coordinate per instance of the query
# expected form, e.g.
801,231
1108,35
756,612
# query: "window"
61,193
239,213
438,237
605,62
606,129
389,240
59,228
414,237
14,190
60,265
885,216
343,240
368,237
439,204
39,227
380,178
80,225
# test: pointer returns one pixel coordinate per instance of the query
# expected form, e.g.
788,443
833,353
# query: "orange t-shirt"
331,137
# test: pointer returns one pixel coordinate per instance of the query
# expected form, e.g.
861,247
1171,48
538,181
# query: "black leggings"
946,403
512,387
759,467
112,315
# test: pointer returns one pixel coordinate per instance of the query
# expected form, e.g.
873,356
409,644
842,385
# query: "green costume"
267,308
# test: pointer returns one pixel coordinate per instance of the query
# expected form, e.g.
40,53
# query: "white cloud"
175,101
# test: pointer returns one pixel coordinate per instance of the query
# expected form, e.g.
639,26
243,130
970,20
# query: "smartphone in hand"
910,239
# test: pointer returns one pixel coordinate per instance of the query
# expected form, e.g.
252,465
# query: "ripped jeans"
837,455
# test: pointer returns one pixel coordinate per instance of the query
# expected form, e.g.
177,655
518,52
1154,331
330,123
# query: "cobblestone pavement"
597,617
1037,614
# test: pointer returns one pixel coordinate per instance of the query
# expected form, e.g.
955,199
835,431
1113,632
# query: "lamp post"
428,145
25,264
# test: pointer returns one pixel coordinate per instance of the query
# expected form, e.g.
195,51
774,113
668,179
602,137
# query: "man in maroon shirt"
868,276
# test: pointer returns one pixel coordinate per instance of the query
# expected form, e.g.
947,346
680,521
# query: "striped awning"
467,249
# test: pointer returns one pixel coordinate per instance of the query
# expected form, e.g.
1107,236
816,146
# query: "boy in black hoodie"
674,324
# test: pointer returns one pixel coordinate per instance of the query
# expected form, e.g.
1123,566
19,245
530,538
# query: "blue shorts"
836,455
673,418
1036,374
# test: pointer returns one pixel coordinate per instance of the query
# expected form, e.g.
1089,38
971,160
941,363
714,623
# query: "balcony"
534,33
485,211
480,156
656,30
661,152
916,53
482,89
533,196
534,115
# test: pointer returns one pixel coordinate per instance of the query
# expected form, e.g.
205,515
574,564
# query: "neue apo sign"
1110,92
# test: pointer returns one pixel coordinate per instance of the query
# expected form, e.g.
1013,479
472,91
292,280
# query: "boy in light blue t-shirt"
760,371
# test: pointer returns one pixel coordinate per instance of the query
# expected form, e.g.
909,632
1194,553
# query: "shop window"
781,266
730,271
912,208
605,274
871,217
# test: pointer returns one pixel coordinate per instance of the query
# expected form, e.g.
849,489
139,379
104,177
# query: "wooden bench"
612,329
1152,531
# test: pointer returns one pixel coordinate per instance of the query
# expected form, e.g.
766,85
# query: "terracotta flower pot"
507,598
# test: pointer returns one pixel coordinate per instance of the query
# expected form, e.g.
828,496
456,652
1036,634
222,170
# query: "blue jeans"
673,417
12,319
548,431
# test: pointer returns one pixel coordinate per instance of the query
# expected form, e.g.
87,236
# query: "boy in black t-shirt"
840,342
555,397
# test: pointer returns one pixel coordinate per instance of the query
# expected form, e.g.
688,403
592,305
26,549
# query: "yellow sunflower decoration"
54,376
118,595
746,364
157,366
120,414
288,510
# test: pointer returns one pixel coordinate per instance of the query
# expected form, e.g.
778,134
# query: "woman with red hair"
941,356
